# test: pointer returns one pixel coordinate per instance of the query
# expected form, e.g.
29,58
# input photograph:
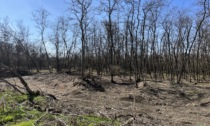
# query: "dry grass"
158,103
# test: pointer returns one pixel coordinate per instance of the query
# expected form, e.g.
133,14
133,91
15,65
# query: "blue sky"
22,9
183,3
18,10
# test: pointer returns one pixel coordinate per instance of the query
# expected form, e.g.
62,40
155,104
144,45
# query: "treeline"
117,37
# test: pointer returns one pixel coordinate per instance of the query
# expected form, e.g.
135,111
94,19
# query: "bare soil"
153,103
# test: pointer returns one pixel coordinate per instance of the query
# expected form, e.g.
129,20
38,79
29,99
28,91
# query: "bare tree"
63,27
55,39
40,17
189,45
81,8
136,36
5,41
132,26
109,7
167,45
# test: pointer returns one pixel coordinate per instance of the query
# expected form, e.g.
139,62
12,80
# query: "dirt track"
159,103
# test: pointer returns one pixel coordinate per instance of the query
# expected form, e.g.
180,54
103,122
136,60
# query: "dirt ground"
153,103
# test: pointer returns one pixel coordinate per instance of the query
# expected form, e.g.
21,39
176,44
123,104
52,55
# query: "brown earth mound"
155,103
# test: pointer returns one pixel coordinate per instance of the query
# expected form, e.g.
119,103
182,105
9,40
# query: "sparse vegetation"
78,103
16,110
107,63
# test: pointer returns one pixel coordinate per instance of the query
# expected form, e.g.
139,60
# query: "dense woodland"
136,38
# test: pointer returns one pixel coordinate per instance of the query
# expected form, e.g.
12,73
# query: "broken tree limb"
130,120
29,91
13,86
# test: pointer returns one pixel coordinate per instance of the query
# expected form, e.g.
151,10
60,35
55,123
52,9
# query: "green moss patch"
95,120
40,100
26,123
89,120
5,119
13,108
16,110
